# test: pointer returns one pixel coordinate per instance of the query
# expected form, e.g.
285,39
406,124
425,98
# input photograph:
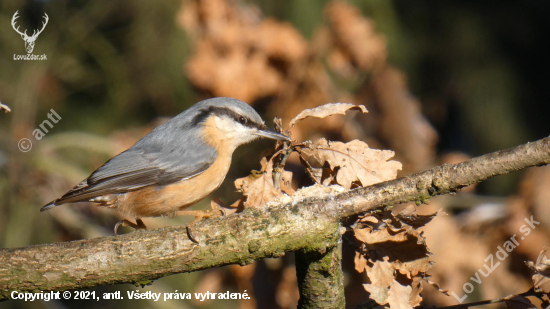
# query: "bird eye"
243,120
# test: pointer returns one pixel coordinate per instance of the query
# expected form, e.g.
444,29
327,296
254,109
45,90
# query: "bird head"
232,122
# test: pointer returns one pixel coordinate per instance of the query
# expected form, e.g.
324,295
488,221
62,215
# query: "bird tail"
49,206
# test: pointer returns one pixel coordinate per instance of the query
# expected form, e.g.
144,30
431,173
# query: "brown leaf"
411,257
399,295
360,262
519,302
325,111
416,220
259,188
5,108
384,289
389,238
541,268
239,204
217,204
381,276
436,286
379,236
236,53
416,285
352,162
347,25
317,174
286,183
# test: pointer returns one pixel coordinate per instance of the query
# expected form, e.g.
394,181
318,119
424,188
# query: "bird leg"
139,225
216,205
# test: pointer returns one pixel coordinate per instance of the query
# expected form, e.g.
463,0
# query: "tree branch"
305,223
530,292
444,179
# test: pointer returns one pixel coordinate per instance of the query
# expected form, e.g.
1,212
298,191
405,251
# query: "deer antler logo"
29,40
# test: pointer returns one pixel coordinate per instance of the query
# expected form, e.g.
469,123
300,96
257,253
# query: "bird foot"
217,210
139,225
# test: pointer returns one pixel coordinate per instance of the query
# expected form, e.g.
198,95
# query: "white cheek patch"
231,128
235,131
225,124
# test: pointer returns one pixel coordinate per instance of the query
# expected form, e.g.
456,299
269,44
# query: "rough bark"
320,278
308,224
142,256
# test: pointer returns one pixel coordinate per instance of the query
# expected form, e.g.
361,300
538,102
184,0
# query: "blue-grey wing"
161,158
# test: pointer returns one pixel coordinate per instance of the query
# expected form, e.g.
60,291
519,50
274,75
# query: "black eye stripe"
220,111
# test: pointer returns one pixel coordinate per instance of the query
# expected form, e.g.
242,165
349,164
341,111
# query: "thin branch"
444,179
278,169
530,292
306,223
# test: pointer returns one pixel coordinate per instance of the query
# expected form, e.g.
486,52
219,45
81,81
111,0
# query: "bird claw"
200,214
139,225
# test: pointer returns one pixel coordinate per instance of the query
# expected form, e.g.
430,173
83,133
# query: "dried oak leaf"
355,37
352,163
325,111
399,296
416,285
218,205
395,240
360,262
236,52
541,268
408,215
5,108
401,243
259,188
381,277
383,287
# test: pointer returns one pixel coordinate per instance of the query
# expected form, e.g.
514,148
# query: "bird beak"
272,135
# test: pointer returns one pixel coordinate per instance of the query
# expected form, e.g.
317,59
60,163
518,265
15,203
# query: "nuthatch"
174,166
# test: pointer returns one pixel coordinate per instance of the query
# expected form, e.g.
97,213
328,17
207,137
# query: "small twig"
278,169
282,154
530,292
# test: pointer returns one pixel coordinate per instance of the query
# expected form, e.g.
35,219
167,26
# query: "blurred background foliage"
442,81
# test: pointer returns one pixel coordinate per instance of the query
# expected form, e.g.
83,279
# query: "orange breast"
166,200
